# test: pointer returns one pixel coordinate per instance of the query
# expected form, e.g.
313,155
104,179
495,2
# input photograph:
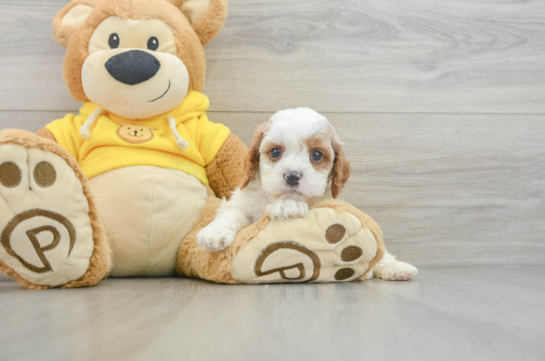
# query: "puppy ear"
205,16
252,158
340,172
71,18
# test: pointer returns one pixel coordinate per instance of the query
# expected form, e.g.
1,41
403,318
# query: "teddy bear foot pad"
326,245
45,230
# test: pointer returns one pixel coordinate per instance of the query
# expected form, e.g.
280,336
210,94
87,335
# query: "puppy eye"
113,41
275,153
153,43
317,156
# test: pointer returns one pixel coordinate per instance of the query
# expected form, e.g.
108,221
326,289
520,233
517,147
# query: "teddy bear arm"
44,133
227,169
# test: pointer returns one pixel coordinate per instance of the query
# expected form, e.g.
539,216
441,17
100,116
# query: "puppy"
295,160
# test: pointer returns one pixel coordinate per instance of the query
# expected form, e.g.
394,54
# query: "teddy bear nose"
133,67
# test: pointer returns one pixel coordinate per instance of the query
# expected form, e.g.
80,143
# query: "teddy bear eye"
113,41
317,156
153,43
275,153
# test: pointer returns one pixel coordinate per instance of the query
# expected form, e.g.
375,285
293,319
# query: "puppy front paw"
286,209
216,237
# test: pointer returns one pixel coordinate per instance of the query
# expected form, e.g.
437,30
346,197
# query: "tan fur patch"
252,159
209,24
340,173
266,150
190,49
226,171
322,145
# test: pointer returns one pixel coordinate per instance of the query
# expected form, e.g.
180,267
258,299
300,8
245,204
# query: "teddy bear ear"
71,18
205,16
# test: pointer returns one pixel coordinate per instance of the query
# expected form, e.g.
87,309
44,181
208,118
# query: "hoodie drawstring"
179,140
85,129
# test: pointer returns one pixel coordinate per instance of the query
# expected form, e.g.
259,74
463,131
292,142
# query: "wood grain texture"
436,56
446,189
474,313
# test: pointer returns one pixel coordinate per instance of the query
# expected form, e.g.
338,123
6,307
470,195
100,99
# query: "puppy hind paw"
395,271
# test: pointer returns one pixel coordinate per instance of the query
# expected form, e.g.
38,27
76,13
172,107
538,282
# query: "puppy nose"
133,67
293,178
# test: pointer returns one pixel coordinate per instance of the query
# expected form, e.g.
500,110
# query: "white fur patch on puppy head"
299,156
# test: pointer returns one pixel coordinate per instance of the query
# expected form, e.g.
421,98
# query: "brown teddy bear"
122,188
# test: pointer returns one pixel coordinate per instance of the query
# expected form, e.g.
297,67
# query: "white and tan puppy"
295,160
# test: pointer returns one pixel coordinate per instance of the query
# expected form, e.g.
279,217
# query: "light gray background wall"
441,104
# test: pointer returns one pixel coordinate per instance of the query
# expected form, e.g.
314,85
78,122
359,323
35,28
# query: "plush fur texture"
44,133
287,184
210,24
224,172
251,165
298,133
227,168
101,260
193,261
189,40
63,32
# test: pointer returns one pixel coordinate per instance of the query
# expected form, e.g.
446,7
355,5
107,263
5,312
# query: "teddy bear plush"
122,188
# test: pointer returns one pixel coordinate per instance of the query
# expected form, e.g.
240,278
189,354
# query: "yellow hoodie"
116,142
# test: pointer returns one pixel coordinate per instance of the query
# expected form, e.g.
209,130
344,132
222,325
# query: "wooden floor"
441,105
460,313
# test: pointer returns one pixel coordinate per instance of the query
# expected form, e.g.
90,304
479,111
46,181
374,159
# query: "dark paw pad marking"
335,233
10,175
273,247
5,238
45,175
351,253
344,273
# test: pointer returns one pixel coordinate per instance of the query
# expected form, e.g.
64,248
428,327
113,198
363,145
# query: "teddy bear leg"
50,234
334,242
194,261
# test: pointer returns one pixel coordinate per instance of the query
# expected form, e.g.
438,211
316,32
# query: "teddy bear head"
136,58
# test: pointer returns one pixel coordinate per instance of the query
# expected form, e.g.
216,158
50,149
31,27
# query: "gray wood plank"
446,189
473,313
436,56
